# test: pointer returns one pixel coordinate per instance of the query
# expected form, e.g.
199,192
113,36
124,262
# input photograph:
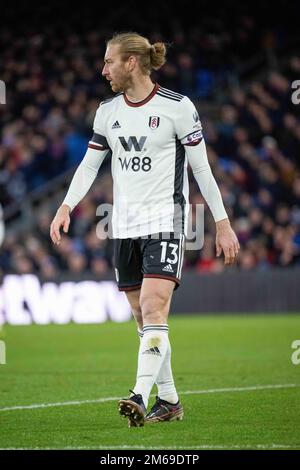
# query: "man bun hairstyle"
158,52
151,57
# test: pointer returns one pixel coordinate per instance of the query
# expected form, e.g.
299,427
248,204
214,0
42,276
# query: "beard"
122,83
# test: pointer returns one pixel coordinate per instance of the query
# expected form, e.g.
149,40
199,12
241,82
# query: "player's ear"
131,61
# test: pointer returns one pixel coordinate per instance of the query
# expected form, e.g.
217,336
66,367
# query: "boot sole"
133,412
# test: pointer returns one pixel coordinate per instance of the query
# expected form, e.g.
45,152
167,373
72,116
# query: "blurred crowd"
253,138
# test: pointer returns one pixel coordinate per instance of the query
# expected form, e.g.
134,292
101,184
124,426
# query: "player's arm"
83,178
226,239
80,184
189,131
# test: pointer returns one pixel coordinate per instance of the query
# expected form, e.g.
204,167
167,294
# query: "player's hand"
226,241
61,219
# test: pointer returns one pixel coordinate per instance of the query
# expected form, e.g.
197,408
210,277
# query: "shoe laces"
137,397
158,404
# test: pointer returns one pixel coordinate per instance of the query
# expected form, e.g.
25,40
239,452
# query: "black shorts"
136,258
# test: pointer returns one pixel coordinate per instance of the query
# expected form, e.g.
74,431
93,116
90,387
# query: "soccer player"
151,133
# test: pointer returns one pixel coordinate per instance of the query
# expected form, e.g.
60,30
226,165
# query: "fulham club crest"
153,122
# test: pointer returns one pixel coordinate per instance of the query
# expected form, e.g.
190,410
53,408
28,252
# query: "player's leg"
162,264
155,299
165,382
133,407
155,311
128,264
167,405
133,298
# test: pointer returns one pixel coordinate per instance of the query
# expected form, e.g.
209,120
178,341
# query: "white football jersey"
149,166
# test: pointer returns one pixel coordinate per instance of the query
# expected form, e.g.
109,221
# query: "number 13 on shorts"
173,255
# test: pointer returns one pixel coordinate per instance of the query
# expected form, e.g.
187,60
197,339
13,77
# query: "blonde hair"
149,56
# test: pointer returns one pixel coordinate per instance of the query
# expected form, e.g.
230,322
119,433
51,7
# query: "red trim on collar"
144,101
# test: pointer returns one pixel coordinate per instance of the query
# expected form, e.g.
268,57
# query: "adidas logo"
154,351
116,125
168,268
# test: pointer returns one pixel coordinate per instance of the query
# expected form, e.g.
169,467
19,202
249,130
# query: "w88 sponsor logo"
135,163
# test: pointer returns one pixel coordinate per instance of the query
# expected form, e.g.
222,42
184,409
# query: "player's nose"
104,71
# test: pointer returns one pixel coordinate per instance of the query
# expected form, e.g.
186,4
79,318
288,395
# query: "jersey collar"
145,100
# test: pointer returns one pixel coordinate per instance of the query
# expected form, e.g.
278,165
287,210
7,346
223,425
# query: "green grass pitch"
217,359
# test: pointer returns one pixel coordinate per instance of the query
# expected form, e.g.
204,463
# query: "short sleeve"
188,125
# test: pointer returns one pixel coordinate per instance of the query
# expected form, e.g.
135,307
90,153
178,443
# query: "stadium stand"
240,80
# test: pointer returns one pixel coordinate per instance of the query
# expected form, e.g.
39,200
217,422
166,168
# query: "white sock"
140,333
153,348
165,382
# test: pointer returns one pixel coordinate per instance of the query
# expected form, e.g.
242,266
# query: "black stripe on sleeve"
100,141
164,95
